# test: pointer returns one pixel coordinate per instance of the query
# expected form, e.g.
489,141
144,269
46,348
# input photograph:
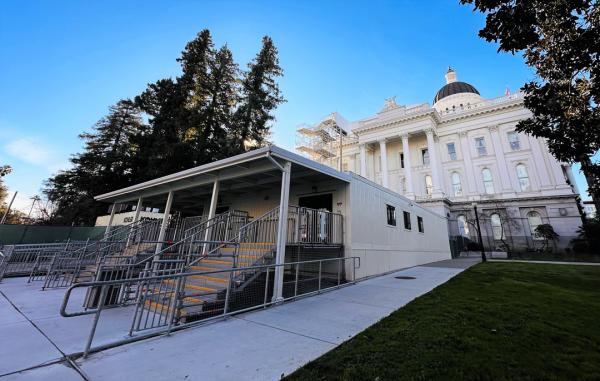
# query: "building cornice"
373,124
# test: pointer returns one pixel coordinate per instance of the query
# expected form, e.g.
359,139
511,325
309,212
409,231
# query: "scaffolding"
324,141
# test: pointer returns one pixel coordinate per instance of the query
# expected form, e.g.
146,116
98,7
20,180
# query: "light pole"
483,259
34,198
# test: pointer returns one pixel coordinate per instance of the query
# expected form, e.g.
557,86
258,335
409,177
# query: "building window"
523,177
428,185
534,220
451,151
456,185
488,181
406,220
496,226
391,215
463,227
480,146
402,185
425,156
513,140
420,224
401,160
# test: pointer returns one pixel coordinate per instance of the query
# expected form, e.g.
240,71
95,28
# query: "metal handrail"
176,296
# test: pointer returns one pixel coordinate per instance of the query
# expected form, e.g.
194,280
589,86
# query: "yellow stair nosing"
193,286
209,278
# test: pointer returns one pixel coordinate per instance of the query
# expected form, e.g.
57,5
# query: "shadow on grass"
495,321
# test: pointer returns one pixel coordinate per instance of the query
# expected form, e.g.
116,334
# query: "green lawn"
495,321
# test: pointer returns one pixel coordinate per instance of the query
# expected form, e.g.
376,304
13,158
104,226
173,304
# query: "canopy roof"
257,168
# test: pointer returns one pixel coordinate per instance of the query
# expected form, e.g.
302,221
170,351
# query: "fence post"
227,293
266,289
320,271
297,275
88,345
174,304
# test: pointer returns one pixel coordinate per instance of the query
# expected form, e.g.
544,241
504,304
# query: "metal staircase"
227,242
221,266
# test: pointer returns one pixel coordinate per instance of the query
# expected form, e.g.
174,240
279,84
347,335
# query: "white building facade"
462,151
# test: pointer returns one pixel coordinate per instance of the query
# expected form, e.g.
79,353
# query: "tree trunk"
590,177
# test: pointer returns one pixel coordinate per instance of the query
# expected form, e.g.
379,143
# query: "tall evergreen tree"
260,97
205,114
223,98
163,148
104,165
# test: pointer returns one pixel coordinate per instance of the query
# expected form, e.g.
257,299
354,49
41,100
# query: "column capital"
429,131
463,134
404,136
493,128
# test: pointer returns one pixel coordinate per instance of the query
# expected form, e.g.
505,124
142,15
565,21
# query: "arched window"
496,226
456,185
428,185
523,177
488,181
534,220
463,227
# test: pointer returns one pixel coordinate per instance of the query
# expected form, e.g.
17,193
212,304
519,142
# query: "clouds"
34,152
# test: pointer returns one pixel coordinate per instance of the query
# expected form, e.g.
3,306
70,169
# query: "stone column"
539,163
556,168
500,159
384,166
410,191
363,160
435,166
469,170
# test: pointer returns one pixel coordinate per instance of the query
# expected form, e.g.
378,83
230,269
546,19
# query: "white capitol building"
460,151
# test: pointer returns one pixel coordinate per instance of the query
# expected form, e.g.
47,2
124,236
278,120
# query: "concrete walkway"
259,345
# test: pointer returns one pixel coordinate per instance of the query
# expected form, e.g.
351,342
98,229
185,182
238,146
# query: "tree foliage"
211,111
4,170
560,39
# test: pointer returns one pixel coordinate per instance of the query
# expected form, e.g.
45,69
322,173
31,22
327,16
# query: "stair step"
193,286
210,278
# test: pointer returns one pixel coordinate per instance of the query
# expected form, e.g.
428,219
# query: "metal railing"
62,269
160,304
21,259
312,226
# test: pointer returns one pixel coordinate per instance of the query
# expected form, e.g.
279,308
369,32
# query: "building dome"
455,94
454,88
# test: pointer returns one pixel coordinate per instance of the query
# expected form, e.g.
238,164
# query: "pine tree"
223,98
260,96
104,165
205,114
163,149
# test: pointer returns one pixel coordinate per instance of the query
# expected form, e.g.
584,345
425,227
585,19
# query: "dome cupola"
455,93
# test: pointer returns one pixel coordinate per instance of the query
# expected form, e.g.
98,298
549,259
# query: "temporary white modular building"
328,212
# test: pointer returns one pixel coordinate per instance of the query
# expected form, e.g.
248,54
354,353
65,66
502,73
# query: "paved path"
259,345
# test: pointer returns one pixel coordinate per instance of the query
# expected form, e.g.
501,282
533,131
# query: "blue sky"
62,64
